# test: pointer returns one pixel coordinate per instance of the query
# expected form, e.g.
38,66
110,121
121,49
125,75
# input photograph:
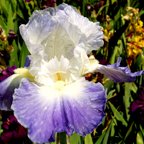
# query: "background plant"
122,23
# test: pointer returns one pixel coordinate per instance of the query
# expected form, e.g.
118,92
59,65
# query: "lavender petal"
45,113
117,73
7,89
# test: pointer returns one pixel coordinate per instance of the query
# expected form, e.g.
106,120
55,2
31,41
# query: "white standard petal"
57,31
46,36
91,30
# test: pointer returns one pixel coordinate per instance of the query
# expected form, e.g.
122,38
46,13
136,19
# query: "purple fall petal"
85,111
45,113
117,73
7,89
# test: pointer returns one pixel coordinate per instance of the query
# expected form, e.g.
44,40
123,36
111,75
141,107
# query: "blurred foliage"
122,23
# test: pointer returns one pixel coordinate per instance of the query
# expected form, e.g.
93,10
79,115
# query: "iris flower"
137,107
12,132
51,95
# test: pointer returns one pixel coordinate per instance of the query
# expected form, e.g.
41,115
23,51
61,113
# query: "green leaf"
113,129
139,138
3,7
114,55
23,53
1,130
75,139
100,139
14,55
113,1
3,23
103,139
88,139
108,5
142,130
127,98
84,2
10,19
117,115
106,137
62,138
51,143
101,9
111,94
129,131
108,84
141,12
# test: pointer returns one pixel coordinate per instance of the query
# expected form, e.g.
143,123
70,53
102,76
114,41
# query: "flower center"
59,85
60,76
60,80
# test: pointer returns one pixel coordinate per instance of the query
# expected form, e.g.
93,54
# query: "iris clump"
13,132
137,106
51,95
6,73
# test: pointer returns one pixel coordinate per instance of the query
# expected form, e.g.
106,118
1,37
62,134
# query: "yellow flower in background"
133,50
135,45
108,30
134,34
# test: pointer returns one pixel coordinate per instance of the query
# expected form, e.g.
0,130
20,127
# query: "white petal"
55,32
